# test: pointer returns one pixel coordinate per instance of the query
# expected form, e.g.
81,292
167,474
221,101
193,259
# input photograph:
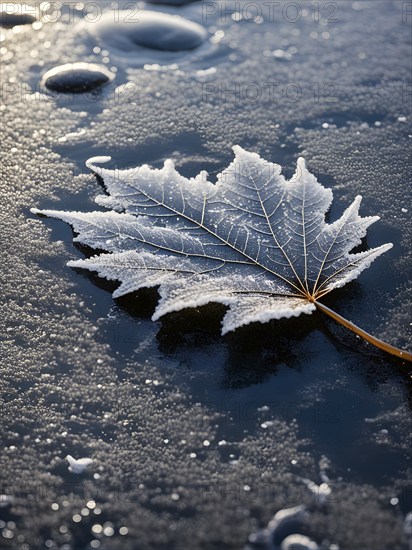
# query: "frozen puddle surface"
198,441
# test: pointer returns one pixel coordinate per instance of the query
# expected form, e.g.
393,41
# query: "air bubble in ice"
76,77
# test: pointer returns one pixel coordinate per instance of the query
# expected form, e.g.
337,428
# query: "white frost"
254,241
78,466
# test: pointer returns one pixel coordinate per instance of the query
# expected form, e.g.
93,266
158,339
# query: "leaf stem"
402,354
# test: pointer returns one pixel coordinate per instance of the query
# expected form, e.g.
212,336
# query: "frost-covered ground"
198,440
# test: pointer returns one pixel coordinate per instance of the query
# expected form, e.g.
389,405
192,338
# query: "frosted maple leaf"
253,241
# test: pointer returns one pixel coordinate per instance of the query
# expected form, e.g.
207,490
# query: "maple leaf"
253,241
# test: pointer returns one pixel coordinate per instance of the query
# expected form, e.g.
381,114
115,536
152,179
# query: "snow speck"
78,466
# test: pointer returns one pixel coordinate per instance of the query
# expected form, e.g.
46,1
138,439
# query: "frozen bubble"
7,533
284,522
76,77
165,32
298,542
108,531
281,54
151,31
12,14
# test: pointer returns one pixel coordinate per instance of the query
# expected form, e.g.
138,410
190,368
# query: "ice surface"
74,364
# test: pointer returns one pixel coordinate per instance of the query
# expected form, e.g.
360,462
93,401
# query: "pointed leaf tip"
238,150
169,165
301,163
241,154
302,170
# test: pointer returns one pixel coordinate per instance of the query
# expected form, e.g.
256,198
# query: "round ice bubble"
147,31
12,14
76,78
